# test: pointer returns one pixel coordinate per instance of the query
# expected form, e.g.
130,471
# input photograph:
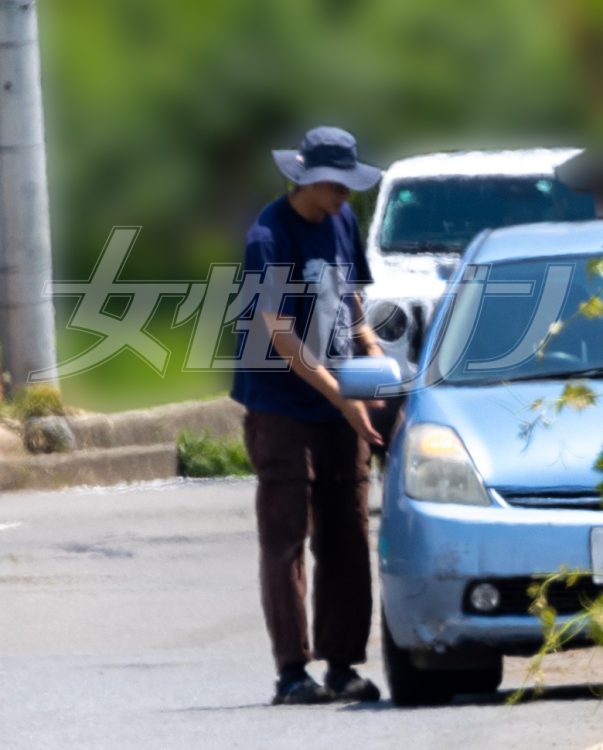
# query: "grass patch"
37,401
204,456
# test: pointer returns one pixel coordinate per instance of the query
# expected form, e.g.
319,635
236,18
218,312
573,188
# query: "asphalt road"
130,618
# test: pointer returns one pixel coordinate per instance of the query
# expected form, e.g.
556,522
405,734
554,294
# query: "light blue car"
489,479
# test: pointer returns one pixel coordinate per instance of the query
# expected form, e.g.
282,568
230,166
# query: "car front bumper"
430,552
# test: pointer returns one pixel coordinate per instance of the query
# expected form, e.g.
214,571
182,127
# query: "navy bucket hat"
327,154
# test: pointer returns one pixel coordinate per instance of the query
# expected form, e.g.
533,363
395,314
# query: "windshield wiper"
424,246
591,372
588,372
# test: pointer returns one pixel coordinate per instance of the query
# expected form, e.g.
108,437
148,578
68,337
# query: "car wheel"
411,686
408,685
477,680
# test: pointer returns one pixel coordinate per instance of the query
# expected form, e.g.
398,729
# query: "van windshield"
441,214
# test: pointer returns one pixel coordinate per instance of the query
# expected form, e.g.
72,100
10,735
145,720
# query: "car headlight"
438,468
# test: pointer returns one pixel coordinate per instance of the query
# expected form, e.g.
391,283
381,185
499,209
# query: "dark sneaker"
300,690
348,685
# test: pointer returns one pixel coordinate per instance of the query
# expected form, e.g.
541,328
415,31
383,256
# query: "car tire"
412,686
408,685
477,680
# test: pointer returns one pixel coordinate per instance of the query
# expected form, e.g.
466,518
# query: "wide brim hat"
327,154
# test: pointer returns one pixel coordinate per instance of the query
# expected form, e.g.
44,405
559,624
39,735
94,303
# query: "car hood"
513,446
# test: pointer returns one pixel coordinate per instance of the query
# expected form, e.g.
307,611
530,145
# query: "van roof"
538,161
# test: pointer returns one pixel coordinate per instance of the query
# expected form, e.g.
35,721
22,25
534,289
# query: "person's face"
329,196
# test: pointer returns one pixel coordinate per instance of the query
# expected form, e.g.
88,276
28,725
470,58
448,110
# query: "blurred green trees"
163,114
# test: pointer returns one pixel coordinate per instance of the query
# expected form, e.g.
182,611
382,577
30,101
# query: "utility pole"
27,330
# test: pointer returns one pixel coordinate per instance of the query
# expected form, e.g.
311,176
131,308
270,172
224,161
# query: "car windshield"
442,214
523,320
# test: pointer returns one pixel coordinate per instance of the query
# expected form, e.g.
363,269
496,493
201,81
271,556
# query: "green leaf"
595,267
548,617
592,308
595,631
534,590
576,395
573,578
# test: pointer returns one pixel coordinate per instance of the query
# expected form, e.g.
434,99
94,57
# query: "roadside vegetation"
36,401
205,456
23,412
33,401
557,637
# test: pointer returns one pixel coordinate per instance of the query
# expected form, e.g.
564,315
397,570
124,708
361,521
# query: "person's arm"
363,333
307,367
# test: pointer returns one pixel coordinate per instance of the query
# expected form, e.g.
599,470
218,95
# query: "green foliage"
595,267
204,456
163,115
592,308
37,401
577,396
556,637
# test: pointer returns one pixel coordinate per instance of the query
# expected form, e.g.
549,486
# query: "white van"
428,209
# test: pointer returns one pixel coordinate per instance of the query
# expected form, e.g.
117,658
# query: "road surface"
130,618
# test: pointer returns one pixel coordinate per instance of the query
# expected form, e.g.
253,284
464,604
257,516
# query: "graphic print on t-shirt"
329,331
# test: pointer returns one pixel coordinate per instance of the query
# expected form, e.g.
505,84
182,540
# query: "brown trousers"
312,479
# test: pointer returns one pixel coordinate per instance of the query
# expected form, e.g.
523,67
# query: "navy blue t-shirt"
329,257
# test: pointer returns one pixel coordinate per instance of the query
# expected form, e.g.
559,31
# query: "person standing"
309,446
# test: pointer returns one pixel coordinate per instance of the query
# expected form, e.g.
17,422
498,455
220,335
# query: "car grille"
553,500
515,600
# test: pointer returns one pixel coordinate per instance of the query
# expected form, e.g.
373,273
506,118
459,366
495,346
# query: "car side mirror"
362,377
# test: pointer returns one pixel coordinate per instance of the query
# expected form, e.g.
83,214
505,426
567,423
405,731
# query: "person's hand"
357,415
374,350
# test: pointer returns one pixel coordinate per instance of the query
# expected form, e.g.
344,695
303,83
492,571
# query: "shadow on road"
555,693
559,693
201,709
500,698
